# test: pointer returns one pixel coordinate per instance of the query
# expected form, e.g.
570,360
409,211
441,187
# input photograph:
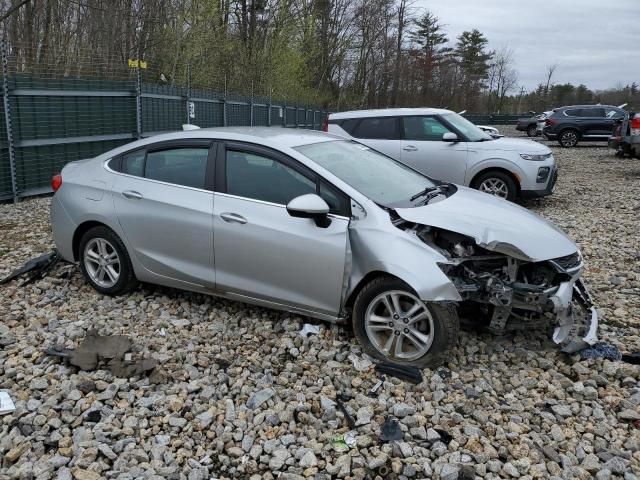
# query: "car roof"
587,106
387,112
274,136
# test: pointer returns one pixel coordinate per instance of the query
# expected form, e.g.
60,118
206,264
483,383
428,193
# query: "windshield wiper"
424,192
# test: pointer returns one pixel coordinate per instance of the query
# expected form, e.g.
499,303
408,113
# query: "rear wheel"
392,324
105,263
568,138
497,183
532,131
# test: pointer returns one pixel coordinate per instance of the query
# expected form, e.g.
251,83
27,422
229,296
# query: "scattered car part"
340,398
374,390
309,329
633,358
445,437
493,131
36,267
391,431
338,443
360,364
6,403
93,416
403,372
601,350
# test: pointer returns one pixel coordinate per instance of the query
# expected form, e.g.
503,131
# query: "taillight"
635,125
56,182
325,124
549,121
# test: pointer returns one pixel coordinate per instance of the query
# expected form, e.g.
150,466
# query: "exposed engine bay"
509,293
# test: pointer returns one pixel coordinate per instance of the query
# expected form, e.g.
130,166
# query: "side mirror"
450,137
310,206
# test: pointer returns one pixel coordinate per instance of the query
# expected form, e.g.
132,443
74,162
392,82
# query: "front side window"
424,128
468,129
384,128
373,174
262,178
181,166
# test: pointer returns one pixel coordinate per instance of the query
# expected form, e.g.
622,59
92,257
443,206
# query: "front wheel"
497,183
392,324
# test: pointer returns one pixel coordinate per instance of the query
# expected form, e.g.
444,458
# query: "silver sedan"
321,226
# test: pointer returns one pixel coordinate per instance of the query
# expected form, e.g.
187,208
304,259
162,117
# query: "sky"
595,42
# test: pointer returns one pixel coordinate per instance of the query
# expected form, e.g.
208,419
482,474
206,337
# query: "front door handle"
233,218
410,148
132,194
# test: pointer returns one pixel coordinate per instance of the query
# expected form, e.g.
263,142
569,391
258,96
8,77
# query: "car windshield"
380,178
468,129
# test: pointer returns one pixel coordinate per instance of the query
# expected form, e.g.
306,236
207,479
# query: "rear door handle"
132,194
233,218
410,148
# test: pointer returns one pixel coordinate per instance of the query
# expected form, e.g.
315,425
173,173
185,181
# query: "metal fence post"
251,107
284,113
224,104
138,103
188,95
7,119
269,109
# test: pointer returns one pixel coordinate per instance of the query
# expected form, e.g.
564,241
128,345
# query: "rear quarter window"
573,112
384,128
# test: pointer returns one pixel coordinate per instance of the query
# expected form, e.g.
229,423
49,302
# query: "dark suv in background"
588,123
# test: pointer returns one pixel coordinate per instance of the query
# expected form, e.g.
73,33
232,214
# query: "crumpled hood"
508,144
495,224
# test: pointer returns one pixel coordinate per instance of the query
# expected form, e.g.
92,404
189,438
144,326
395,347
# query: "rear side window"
133,163
573,112
348,125
384,128
181,166
592,112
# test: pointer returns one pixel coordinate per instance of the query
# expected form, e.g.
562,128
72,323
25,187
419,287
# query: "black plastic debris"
37,268
391,431
93,416
443,373
633,358
403,372
374,390
601,350
445,437
340,398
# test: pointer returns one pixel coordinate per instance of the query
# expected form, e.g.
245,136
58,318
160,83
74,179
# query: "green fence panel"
261,115
36,165
238,114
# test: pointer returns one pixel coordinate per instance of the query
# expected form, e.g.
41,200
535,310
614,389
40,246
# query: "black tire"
126,280
445,322
569,138
532,131
505,178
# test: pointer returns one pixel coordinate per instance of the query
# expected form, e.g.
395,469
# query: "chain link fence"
62,108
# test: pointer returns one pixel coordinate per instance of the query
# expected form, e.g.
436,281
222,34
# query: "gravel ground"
502,407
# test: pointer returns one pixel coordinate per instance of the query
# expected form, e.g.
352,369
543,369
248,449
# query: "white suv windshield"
468,129
377,176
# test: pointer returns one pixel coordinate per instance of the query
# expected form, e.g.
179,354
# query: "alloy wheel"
494,186
569,139
102,262
399,325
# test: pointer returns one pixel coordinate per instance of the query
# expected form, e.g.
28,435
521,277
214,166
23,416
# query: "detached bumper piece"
577,317
36,267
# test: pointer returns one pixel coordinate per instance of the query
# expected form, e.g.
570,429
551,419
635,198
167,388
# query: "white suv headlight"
536,158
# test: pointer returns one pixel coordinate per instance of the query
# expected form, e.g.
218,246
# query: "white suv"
445,146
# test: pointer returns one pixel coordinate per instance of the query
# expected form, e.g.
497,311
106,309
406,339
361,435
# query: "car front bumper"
546,191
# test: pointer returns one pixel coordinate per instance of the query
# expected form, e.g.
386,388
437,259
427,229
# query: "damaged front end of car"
508,292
